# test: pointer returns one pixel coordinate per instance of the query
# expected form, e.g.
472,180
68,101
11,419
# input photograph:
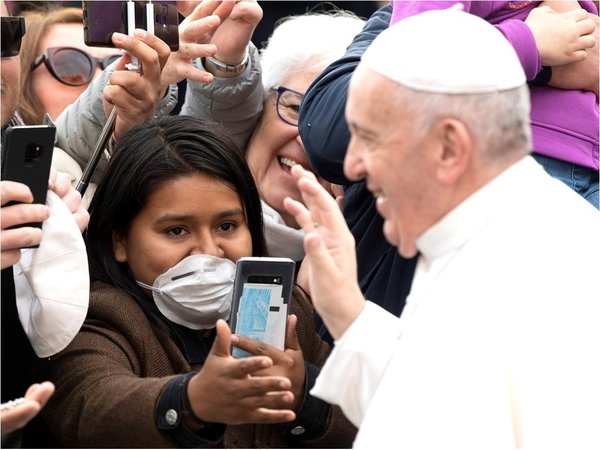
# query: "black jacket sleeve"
322,124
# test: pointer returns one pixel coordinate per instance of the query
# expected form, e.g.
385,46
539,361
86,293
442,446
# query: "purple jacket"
564,122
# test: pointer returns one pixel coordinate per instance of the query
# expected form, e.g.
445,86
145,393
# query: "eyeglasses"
12,30
72,66
288,105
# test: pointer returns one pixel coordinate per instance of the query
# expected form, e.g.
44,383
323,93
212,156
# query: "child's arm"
580,75
561,6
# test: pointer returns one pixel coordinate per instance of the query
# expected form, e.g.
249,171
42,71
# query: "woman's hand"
288,363
228,390
135,94
36,397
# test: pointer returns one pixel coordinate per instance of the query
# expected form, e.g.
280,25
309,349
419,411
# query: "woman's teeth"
287,162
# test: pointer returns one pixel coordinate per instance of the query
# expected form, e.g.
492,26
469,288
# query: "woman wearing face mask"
151,366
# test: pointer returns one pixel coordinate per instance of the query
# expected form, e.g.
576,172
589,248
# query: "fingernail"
139,33
234,339
118,37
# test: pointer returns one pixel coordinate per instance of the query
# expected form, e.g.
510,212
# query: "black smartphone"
27,157
261,297
103,18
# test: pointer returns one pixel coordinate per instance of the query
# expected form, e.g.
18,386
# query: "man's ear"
119,247
455,150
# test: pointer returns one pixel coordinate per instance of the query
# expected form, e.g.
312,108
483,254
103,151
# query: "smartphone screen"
262,293
262,313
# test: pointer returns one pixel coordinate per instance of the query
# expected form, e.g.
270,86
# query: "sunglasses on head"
12,30
72,66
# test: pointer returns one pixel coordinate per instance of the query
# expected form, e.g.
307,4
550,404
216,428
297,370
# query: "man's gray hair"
499,121
318,39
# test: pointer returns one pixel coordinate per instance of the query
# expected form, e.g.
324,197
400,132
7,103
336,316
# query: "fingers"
199,31
40,393
36,397
16,418
61,183
272,416
206,8
11,191
10,257
22,213
253,346
222,342
291,340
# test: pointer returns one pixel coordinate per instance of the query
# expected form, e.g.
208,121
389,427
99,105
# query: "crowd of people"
432,170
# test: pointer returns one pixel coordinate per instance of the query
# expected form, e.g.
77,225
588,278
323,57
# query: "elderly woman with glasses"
298,50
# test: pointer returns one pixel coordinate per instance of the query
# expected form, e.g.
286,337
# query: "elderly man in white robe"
498,345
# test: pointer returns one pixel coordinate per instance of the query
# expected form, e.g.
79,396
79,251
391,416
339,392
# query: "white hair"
315,38
499,121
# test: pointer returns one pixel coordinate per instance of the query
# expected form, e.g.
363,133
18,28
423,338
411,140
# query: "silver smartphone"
262,291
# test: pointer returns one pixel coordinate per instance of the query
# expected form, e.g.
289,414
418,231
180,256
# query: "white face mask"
196,292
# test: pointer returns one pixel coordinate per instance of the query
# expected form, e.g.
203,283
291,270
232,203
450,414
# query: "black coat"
385,277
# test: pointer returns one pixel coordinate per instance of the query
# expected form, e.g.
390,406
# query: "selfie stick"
100,146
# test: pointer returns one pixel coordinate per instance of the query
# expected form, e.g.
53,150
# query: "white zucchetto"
421,53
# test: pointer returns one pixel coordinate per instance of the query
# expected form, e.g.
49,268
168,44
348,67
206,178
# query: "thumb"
222,344
291,340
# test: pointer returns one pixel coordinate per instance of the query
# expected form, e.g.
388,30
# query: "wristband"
219,67
543,78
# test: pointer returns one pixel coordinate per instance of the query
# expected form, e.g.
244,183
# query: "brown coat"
109,378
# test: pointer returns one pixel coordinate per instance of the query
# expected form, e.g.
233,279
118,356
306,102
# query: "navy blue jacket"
384,276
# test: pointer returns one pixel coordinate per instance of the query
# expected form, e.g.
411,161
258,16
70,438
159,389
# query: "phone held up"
27,157
262,291
102,18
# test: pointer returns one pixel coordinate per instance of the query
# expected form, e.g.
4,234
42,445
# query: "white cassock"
498,346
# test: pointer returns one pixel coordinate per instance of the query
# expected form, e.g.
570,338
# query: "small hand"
561,38
36,397
195,33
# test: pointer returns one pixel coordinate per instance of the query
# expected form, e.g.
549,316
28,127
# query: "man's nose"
354,167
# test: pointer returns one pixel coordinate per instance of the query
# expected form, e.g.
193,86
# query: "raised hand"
288,363
236,30
195,34
330,254
136,94
226,389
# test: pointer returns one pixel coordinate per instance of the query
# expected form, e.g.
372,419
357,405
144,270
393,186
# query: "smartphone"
261,297
27,157
102,18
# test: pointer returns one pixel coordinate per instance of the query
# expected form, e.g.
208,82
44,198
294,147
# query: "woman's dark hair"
145,158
